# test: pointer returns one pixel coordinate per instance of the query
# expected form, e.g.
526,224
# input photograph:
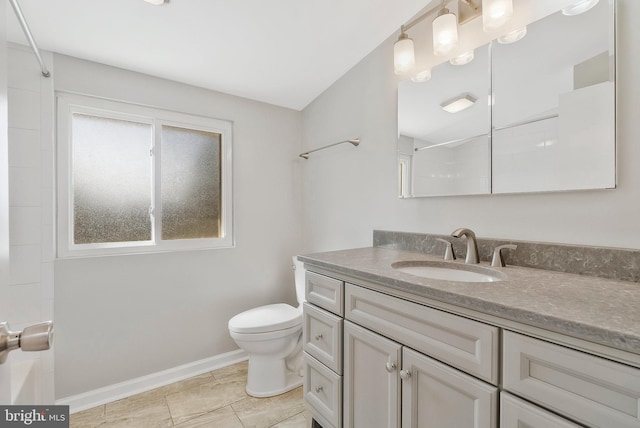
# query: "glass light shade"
463,58
403,55
495,13
513,36
422,76
579,7
445,33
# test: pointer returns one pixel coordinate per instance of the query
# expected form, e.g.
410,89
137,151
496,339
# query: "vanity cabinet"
322,345
378,360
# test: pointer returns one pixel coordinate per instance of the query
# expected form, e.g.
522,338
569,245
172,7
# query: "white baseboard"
117,391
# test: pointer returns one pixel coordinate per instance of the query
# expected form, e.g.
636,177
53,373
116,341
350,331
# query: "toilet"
272,337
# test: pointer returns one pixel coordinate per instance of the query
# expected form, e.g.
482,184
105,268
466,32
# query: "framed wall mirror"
540,113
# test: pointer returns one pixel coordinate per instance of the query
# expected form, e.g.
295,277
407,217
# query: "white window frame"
66,105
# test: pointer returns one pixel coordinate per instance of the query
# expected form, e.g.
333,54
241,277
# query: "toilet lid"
267,318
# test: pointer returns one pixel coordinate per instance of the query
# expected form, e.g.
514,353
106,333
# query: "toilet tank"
298,270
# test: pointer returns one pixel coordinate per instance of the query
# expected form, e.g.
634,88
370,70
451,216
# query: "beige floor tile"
301,420
197,401
266,412
222,418
232,372
140,410
89,418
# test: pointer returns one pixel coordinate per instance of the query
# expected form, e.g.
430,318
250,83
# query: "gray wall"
122,317
349,191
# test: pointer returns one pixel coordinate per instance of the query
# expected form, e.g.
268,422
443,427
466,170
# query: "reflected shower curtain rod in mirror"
354,141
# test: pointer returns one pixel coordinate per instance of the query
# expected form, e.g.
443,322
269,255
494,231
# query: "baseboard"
117,391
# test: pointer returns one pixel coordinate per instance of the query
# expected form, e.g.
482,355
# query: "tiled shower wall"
31,205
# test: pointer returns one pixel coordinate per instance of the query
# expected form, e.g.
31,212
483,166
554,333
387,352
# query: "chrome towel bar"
354,141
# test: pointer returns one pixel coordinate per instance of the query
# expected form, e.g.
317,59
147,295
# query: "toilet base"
293,380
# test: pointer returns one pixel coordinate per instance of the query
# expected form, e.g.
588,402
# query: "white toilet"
272,337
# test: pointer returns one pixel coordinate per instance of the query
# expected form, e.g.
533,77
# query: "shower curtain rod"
27,33
354,141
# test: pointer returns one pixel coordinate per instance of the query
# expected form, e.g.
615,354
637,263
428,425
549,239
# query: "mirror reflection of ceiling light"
463,58
403,54
459,103
512,36
422,76
495,13
445,32
579,7
156,2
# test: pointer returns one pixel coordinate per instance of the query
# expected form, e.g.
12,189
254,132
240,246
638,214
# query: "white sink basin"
449,271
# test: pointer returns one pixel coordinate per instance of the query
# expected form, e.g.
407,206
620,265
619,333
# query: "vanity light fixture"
513,36
421,76
403,54
579,7
463,58
495,13
459,103
445,32
155,2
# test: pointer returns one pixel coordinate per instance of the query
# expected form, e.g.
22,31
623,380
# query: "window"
139,179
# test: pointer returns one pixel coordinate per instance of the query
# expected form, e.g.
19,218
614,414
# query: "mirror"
549,125
449,151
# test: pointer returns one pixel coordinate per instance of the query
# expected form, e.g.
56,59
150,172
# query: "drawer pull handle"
391,367
405,374
318,336
319,388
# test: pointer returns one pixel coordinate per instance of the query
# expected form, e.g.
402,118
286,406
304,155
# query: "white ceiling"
283,52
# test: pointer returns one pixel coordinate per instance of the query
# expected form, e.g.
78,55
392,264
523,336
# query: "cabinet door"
371,382
435,395
516,413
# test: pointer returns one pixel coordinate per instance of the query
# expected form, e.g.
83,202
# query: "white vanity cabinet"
378,360
322,346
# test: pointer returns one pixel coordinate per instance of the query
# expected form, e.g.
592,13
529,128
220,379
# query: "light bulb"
495,13
580,7
513,36
403,54
445,33
463,58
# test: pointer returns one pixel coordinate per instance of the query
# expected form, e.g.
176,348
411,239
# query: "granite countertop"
598,310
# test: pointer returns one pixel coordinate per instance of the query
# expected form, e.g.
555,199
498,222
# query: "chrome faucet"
472,246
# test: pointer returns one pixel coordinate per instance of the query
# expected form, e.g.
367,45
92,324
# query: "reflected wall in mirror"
549,124
446,150
553,117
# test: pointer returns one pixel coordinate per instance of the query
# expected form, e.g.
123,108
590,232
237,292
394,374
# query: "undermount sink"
449,271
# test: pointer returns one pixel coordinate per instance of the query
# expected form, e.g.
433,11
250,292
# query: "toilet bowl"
272,337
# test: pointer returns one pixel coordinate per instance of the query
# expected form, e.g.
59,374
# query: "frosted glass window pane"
111,180
190,184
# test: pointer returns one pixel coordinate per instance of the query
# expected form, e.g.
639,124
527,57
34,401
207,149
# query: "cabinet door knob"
319,388
390,366
318,336
405,374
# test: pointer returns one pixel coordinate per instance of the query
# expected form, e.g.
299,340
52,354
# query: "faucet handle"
448,252
497,260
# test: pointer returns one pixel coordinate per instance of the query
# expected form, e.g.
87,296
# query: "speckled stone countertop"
598,310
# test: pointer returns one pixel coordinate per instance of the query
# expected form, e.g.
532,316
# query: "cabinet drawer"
516,413
468,345
324,292
323,391
589,389
323,337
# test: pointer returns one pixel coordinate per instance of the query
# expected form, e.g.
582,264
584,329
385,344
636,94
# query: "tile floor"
215,399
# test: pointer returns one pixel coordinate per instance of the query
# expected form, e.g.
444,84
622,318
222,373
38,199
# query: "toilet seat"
263,319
